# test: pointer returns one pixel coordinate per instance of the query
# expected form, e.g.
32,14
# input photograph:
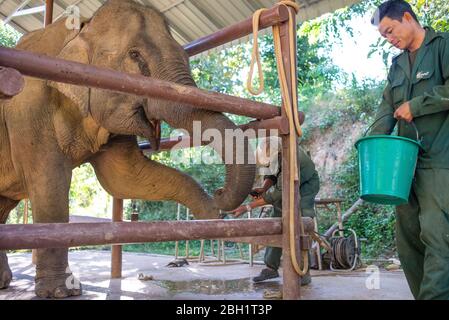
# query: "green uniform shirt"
426,86
309,186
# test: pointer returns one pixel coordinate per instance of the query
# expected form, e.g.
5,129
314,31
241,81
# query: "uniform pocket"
398,89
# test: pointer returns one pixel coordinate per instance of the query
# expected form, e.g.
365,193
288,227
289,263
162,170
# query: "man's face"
398,33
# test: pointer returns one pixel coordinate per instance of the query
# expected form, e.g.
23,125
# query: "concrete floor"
199,281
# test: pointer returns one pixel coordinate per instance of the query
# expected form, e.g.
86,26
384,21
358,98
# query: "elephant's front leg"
49,190
6,205
126,173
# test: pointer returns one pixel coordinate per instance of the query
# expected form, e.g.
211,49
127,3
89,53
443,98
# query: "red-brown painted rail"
44,67
61,235
268,18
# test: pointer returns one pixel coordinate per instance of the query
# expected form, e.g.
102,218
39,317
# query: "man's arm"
268,182
438,99
245,208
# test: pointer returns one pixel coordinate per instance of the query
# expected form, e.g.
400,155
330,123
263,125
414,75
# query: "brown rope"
291,110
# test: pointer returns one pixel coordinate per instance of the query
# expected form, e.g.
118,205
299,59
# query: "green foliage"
86,196
8,36
81,191
221,71
17,215
226,71
356,102
316,72
434,13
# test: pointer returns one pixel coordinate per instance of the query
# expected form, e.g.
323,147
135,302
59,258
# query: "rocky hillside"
329,149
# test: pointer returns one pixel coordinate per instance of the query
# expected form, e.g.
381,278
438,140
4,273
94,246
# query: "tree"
8,36
433,13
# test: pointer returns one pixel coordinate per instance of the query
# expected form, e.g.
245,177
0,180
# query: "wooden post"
178,216
250,248
187,241
25,211
201,258
25,221
116,253
291,285
223,250
48,12
318,247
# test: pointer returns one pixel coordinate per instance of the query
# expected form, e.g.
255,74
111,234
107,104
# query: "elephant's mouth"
152,129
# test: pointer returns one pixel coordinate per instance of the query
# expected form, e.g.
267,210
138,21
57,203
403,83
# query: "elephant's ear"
76,50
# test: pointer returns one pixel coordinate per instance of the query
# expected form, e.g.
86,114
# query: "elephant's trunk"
240,167
239,175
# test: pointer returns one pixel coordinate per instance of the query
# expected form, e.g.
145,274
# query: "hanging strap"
291,110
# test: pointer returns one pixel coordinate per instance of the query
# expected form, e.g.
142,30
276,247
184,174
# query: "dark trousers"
422,235
272,258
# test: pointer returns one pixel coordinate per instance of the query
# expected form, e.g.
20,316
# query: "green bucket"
387,166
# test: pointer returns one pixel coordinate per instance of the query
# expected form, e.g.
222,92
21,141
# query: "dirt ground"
200,281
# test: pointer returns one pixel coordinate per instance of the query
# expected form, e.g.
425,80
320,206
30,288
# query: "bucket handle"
390,114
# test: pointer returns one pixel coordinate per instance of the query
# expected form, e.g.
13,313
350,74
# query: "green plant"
8,36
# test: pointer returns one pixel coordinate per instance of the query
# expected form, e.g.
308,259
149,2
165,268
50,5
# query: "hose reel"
345,254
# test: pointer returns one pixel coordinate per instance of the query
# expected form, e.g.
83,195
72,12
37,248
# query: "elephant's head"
126,36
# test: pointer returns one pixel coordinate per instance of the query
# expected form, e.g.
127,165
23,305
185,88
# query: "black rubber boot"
266,274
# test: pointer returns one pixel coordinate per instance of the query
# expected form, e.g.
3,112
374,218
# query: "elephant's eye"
143,66
134,54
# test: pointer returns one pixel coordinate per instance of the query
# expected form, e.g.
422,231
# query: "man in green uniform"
418,91
271,193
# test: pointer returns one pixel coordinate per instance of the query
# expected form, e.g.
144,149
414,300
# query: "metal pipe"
62,235
48,12
116,250
345,217
11,83
44,67
277,123
268,18
273,240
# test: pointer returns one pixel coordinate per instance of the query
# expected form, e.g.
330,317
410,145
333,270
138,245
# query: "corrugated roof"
188,19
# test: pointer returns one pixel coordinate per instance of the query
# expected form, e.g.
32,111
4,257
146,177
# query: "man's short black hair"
393,9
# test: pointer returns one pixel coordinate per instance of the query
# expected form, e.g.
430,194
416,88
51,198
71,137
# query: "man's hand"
257,193
404,112
239,211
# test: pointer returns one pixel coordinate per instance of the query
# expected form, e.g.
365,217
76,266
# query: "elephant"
50,128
